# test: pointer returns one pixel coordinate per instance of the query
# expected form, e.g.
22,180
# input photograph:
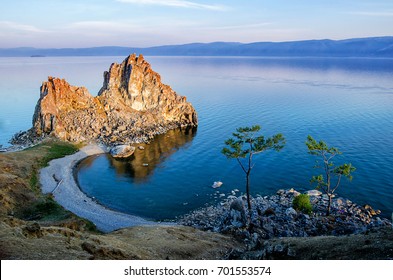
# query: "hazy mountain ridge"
359,47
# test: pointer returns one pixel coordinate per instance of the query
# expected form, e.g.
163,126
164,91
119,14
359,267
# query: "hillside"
360,47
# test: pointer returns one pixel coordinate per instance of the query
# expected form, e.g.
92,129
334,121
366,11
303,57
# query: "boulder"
326,197
281,192
294,192
269,211
237,213
32,230
290,212
313,193
122,151
372,211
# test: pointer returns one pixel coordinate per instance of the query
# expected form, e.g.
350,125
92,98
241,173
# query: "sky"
143,23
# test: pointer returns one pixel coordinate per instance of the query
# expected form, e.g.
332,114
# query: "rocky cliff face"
132,106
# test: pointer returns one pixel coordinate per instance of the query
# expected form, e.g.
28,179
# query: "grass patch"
90,226
45,209
26,199
58,150
34,181
43,154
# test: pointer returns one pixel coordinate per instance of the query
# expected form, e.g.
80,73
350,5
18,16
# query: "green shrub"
44,209
302,203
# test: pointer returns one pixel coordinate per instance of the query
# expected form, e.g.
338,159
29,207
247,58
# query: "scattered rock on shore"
273,216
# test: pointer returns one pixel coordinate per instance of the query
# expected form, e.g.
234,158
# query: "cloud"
243,26
99,26
14,26
176,3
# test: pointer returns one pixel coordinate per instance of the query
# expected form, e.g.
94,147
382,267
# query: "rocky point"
274,216
133,105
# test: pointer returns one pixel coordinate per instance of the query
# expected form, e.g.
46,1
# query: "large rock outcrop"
133,105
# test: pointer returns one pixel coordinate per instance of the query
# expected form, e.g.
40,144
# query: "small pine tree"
245,145
331,171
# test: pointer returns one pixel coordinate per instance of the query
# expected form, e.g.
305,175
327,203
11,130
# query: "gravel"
58,179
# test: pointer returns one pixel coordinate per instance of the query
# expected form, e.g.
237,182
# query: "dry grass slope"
34,226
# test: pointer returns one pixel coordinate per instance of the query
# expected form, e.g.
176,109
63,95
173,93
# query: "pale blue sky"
141,23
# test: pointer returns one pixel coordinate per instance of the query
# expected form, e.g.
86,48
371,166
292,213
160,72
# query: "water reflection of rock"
143,162
87,162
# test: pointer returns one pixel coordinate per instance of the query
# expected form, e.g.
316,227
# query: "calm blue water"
346,102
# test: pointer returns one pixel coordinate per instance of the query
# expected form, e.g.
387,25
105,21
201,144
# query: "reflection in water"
143,162
346,102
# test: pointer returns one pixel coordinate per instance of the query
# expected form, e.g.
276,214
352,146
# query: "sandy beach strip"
58,179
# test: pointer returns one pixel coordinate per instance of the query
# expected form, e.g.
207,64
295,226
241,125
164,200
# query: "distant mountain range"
361,47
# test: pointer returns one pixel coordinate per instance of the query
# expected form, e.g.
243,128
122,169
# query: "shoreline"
58,179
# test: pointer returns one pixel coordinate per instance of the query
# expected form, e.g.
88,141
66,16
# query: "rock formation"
133,105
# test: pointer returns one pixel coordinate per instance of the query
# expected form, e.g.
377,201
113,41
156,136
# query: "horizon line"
201,43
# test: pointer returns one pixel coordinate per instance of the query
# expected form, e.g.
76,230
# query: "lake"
347,102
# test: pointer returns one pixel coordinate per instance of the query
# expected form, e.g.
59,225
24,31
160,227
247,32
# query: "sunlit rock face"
133,105
68,112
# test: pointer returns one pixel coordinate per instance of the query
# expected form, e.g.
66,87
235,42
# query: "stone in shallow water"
122,151
217,184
